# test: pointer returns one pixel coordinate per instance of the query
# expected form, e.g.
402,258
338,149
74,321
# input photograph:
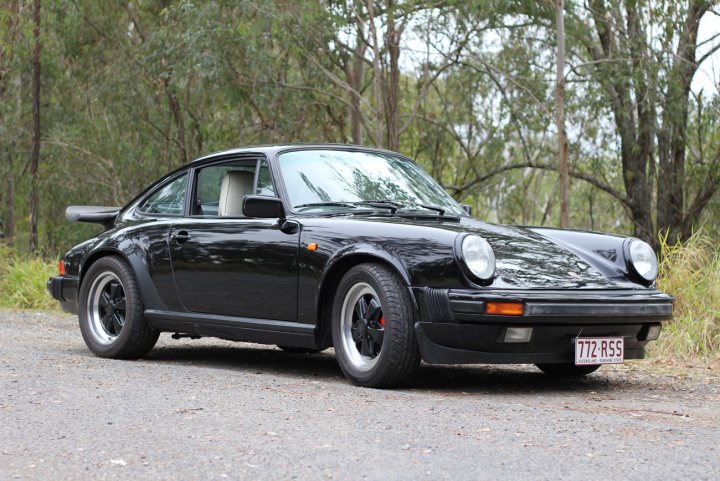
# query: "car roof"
272,149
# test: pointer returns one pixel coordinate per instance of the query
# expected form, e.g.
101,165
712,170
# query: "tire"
377,347
299,350
566,370
111,312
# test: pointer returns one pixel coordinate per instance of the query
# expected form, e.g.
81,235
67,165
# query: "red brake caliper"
382,321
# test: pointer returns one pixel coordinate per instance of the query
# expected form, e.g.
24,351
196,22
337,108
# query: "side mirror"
263,207
467,208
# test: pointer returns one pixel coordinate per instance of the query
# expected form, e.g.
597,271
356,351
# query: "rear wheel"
111,312
566,370
372,327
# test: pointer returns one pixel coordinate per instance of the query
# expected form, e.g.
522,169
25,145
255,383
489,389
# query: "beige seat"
236,184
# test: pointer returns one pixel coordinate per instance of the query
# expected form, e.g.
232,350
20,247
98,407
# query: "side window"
264,181
221,188
168,199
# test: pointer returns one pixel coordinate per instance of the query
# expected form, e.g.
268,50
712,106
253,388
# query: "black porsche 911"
313,246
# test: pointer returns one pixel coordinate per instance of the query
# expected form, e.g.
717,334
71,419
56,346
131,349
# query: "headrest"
236,184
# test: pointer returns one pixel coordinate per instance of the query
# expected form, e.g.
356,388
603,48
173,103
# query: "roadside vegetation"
22,280
691,272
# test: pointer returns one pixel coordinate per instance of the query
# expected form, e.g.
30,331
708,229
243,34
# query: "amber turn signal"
312,247
504,308
61,267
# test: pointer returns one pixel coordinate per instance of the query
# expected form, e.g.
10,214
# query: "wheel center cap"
362,326
111,308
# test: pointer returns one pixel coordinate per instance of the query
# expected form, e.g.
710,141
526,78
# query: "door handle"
180,237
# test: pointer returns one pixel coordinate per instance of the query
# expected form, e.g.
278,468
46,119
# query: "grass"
690,272
22,281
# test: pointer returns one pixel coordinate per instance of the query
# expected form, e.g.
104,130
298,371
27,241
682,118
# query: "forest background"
100,97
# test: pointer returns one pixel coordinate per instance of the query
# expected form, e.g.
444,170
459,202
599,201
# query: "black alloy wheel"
372,327
111,311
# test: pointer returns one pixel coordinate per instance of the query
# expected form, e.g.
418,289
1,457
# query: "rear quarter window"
166,200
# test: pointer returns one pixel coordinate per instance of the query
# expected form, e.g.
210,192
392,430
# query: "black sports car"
312,246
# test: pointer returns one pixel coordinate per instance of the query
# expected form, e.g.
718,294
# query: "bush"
691,273
22,281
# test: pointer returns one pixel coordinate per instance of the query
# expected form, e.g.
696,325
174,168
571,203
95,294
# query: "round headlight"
478,256
643,260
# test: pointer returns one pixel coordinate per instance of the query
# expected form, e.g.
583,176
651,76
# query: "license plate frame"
596,351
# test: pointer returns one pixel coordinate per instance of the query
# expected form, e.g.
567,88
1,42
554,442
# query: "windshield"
336,179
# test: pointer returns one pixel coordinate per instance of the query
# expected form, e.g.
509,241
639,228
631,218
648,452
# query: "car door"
225,264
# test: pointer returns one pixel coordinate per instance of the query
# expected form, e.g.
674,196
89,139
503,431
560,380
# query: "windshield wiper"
391,205
326,204
437,209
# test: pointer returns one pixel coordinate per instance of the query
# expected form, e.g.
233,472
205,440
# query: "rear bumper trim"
65,290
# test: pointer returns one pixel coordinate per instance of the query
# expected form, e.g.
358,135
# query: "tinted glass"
264,181
168,199
322,176
209,184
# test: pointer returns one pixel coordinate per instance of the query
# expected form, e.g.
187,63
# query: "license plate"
599,350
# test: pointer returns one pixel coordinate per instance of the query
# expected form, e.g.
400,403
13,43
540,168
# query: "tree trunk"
10,205
378,78
560,116
392,87
35,155
177,114
672,139
354,74
627,91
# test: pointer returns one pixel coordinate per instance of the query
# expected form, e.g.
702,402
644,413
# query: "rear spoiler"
92,214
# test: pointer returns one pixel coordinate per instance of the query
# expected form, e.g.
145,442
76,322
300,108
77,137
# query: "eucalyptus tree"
645,55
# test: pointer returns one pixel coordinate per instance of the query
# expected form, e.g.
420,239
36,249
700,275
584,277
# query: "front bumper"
65,290
454,328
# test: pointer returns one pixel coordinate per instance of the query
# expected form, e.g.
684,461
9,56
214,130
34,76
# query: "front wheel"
566,370
372,327
111,312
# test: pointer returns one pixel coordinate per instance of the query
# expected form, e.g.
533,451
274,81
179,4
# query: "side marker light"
504,308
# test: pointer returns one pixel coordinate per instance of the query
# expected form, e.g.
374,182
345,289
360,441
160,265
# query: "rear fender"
148,292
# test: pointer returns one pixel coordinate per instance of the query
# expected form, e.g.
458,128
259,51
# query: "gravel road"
215,410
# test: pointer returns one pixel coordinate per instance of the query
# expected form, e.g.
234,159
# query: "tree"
35,154
647,86
9,36
560,116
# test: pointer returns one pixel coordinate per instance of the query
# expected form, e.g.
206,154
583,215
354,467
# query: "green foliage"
134,89
691,272
22,281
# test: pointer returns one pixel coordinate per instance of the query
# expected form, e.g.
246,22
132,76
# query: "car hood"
530,260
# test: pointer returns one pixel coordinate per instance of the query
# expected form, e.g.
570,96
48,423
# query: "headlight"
643,260
478,256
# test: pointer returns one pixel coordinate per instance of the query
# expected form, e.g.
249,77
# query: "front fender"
357,251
